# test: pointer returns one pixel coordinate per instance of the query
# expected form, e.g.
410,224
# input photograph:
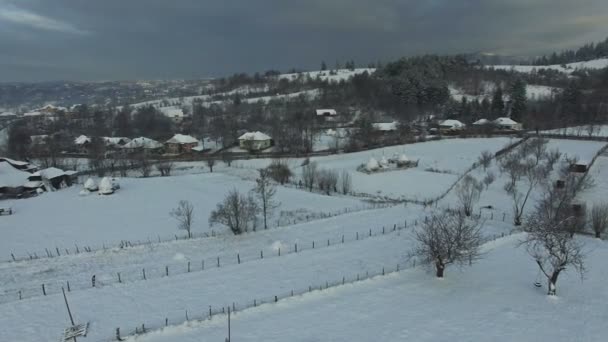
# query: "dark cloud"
119,39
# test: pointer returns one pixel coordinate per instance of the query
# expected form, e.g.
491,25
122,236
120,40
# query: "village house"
142,143
505,123
181,143
115,142
327,114
448,126
53,177
255,141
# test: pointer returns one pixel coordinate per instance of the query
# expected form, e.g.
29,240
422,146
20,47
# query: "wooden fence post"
43,290
238,258
118,334
167,271
93,281
261,254
143,272
119,280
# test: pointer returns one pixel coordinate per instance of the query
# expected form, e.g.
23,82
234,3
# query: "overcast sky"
169,39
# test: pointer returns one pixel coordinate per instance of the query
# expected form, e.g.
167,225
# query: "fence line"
199,266
54,252
207,313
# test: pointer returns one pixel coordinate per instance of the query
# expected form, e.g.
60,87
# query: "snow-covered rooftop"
452,124
143,142
10,176
505,122
182,139
385,126
81,140
331,112
481,122
7,114
49,173
257,136
115,140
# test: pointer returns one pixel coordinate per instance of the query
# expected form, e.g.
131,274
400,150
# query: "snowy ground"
495,195
569,68
598,193
137,212
340,74
533,92
494,300
447,158
581,131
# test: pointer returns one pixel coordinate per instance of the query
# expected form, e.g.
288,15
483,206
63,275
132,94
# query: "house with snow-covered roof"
507,124
255,141
326,112
482,122
451,126
115,142
181,143
142,143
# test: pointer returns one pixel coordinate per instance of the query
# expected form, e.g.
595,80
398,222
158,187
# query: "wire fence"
289,218
98,280
202,314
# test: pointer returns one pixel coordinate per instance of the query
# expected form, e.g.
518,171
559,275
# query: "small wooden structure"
78,330
6,211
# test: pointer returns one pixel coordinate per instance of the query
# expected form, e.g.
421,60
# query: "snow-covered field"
581,131
137,212
569,68
495,195
598,193
495,299
441,164
533,92
326,75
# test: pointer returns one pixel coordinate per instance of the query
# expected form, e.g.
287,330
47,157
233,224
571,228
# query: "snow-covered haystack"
90,185
372,165
403,160
105,186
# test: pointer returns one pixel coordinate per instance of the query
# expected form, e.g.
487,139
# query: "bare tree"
523,177
279,171
550,243
165,168
537,147
489,179
123,166
237,212
553,157
346,182
309,175
591,129
184,214
599,219
468,191
227,158
210,163
327,181
485,159
265,191
448,238
144,165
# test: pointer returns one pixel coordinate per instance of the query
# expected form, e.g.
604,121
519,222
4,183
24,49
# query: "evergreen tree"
498,104
323,66
518,100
